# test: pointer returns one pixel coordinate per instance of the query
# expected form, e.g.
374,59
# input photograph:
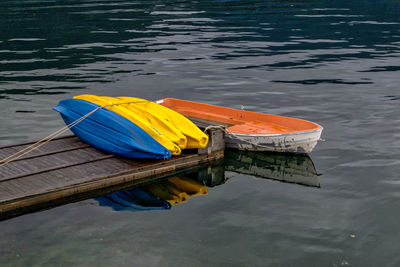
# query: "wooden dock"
67,169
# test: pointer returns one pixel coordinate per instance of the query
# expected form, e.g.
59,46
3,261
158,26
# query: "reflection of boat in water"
292,168
133,199
155,196
176,189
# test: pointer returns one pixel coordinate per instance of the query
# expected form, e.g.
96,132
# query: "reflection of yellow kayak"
160,192
176,191
195,137
141,120
191,187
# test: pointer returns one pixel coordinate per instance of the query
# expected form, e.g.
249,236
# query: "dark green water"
335,63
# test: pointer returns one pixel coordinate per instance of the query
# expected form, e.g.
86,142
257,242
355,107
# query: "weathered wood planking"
67,167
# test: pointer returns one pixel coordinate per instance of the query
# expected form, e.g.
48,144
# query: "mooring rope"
50,137
232,135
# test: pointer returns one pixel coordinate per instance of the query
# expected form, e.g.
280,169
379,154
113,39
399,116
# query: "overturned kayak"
169,128
247,130
108,131
130,127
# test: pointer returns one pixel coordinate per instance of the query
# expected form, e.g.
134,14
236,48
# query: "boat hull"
252,131
303,142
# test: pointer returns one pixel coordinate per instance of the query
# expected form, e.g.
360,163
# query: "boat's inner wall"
246,122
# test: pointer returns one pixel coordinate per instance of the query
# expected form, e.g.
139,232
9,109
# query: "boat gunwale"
316,127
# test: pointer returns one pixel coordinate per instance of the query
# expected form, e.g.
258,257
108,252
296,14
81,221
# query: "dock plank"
49,162
60,144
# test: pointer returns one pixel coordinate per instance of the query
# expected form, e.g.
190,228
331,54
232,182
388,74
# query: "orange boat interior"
240,121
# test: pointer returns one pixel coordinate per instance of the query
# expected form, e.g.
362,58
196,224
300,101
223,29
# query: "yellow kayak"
195,137
161,124
154,127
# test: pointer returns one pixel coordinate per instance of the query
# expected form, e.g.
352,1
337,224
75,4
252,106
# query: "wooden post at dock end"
216,143
66,170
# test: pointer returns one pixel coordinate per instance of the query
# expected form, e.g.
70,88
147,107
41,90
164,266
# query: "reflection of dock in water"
291,168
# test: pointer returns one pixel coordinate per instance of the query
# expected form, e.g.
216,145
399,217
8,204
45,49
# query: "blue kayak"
109,131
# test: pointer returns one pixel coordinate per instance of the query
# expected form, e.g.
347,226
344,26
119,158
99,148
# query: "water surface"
335,63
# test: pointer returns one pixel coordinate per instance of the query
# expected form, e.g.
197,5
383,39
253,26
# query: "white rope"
50,137
232,135
215,127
